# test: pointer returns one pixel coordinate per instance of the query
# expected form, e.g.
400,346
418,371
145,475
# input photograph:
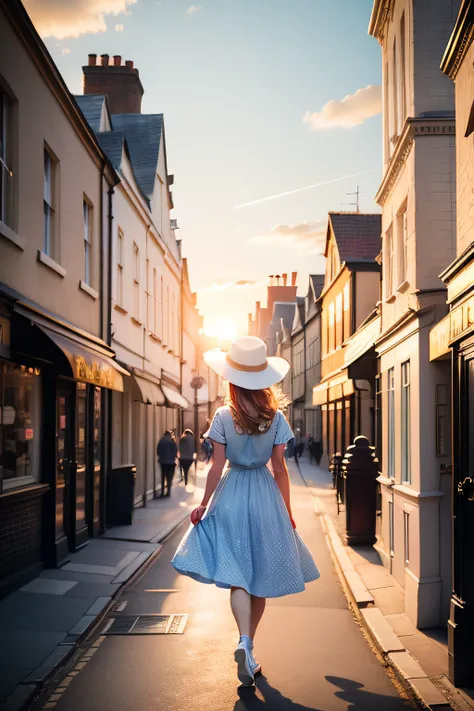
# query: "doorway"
64,465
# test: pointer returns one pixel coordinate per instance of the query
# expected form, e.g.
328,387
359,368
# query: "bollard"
360,472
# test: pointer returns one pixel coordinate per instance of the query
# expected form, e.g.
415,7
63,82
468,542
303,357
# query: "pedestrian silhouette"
352,693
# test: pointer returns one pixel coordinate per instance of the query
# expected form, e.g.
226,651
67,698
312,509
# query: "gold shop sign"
455,325
97,373
462,281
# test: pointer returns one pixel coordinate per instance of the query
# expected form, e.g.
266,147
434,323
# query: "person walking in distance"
246,540
167,451
186,453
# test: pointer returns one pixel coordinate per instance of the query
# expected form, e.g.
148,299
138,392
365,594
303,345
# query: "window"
20,421
391,532
402,84
378,418
405,413
391,422
443,421
388,262
406,537
136,282
87,212
402,245
119,286
395,131
49,204
386,114
331,327
339,327
6,159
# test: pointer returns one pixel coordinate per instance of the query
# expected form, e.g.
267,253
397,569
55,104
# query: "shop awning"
174,398
334,388
151,392
362,341
87,364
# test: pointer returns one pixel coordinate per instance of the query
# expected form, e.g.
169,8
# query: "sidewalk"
419,658
42,623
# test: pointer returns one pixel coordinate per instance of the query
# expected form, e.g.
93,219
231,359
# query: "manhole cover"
146,624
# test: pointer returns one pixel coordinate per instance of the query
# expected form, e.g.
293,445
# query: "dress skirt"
246,539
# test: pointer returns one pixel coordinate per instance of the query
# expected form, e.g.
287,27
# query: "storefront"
453,338
53,430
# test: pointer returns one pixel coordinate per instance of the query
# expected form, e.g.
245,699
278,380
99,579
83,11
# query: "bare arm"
213,477
282,478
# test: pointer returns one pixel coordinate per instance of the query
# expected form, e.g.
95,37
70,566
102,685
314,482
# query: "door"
64,468
93,513
82,485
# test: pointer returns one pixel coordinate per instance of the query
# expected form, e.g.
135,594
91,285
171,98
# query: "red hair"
253,410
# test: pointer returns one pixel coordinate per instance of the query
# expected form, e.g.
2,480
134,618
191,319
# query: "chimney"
285,279
293,278
120,82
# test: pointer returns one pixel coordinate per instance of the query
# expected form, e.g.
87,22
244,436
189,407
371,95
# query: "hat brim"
274,373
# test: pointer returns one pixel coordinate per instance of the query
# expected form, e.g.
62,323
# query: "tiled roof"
317,284
357,235
91,106
283,312
143,134
112,142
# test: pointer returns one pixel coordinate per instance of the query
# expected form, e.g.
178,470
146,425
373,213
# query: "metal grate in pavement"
146,624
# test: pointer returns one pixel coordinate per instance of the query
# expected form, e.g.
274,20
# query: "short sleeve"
216,431
283,431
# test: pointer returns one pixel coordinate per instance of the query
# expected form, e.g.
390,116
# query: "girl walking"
246,541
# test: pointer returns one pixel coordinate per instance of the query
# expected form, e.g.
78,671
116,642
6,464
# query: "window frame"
50,248
136,283
391,435
388,262
88,210
7,157
119,266
405,438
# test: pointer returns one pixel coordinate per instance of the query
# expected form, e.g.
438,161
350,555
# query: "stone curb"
26,693
407,670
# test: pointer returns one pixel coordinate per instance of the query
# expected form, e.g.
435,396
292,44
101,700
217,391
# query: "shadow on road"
352,692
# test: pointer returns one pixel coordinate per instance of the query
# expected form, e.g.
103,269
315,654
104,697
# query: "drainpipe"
145,471
181,344
108,335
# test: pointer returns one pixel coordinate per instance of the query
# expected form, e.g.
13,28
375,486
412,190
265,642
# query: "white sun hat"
246,364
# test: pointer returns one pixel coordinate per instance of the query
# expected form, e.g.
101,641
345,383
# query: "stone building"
417,197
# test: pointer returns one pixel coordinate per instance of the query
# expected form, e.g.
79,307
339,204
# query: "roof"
91,106
357,235
283,313
317,284
143,133
113,143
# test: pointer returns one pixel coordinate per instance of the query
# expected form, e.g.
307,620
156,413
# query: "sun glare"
224,330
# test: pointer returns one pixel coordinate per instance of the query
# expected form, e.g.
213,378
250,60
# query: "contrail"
300,190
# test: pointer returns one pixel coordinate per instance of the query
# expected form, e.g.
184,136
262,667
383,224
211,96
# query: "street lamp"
196,383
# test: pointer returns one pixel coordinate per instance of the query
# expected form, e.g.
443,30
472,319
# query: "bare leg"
241,604
258,608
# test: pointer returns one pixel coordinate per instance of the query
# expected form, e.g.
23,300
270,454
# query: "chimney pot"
117,60
92,60
293,278
285,279
129,64
104,59
123,88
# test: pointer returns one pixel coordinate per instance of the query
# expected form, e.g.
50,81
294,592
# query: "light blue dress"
246,539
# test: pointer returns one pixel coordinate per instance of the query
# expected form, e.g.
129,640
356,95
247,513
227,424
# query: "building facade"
350,294
417,197
453,339
56,363
312,326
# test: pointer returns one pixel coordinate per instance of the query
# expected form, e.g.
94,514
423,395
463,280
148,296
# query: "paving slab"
48,586
19,696
94,590
60,574
401,624
431,696
375,576
381,630
407,666
27,648
432,657
360,593
391,601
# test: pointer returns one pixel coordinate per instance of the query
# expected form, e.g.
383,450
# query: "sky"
272,115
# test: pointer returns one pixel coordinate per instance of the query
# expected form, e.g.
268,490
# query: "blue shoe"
256,668
243,658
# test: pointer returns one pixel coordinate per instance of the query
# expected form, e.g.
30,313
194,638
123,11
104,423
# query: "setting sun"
224,330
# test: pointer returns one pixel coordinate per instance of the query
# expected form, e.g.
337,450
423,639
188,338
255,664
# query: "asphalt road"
313,653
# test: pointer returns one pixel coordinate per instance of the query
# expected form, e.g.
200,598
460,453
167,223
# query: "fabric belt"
242,466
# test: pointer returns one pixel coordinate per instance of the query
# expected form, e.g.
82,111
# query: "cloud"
119,28
227,285
305,237
300,190
193,9
72,18
65,51
353,110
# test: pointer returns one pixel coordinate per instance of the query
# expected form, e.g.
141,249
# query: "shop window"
20,419
6,159
50,183
405,414
87,214
378,418
391,422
